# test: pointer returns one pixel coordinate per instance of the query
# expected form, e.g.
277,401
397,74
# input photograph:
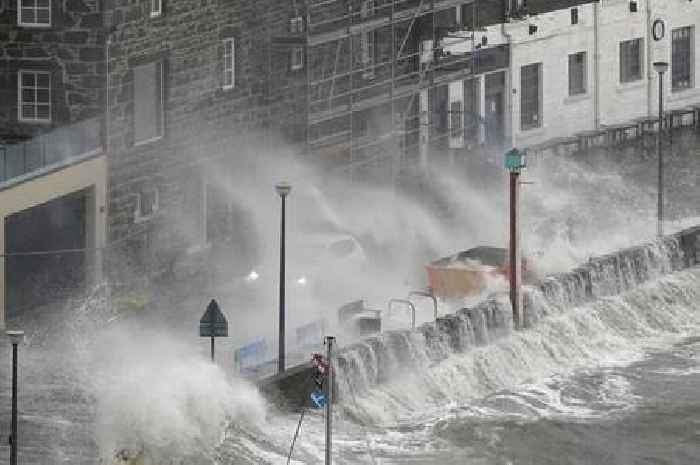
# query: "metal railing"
408,304
51,148
427,295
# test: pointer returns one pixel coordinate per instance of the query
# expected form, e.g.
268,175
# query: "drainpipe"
647,38
596,65
509,89
108,46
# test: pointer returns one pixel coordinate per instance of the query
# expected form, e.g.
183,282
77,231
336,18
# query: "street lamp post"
283,190
15,338
661,67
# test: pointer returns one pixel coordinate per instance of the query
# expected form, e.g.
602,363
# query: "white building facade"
589,66
572,70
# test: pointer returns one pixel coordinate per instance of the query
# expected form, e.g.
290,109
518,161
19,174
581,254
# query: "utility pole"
661,67
16,337
329,399
514,162
283,190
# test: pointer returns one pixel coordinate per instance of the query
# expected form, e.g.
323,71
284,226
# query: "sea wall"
371,361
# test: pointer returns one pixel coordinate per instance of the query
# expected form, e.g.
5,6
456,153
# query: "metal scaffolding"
368,60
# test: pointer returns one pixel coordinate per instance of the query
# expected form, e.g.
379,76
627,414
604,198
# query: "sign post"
515,162
213,324
329,399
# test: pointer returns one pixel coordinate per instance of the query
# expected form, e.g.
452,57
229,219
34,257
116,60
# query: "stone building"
591,67
53,171
187,82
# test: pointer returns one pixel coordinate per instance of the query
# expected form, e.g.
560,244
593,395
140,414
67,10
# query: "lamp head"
660,66
283,189
16,337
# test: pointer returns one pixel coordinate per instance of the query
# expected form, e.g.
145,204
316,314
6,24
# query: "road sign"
251,355
318,398
213,323
514,160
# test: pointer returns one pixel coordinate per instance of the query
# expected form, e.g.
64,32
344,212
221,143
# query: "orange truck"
466,273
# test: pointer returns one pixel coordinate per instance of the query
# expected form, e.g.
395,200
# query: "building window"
146,204
156,8
296,25
367,47
297,58
574,16
148,102
530,93
631,60
34,96
229,63
367,41
426,53
682,58
439,112
34,12
577,73
367,9
456,119
516,8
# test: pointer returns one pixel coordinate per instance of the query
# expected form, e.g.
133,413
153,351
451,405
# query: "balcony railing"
53,148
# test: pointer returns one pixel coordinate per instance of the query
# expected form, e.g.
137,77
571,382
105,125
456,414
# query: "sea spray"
156,398
547,304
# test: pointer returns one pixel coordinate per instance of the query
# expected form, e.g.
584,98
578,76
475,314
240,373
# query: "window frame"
22,23
229,72
139,215
689,60
367,9
160,65
456,116
296,25
297,51
36,103
368,40
583,90
525,99
626,76
156,12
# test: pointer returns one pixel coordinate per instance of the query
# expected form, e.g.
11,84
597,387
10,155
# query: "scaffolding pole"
346,97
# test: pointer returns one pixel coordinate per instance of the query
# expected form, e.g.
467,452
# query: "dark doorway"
48,265
494,101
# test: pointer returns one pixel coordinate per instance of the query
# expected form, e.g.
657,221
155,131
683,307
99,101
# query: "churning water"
606,373
609,380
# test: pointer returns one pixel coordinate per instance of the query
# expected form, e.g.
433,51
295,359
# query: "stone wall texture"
71,49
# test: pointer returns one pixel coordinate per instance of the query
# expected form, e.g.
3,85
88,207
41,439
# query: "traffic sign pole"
329,399
213,324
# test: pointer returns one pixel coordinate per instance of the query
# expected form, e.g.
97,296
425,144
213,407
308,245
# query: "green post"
514,162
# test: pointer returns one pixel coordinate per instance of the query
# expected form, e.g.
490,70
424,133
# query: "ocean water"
609,382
